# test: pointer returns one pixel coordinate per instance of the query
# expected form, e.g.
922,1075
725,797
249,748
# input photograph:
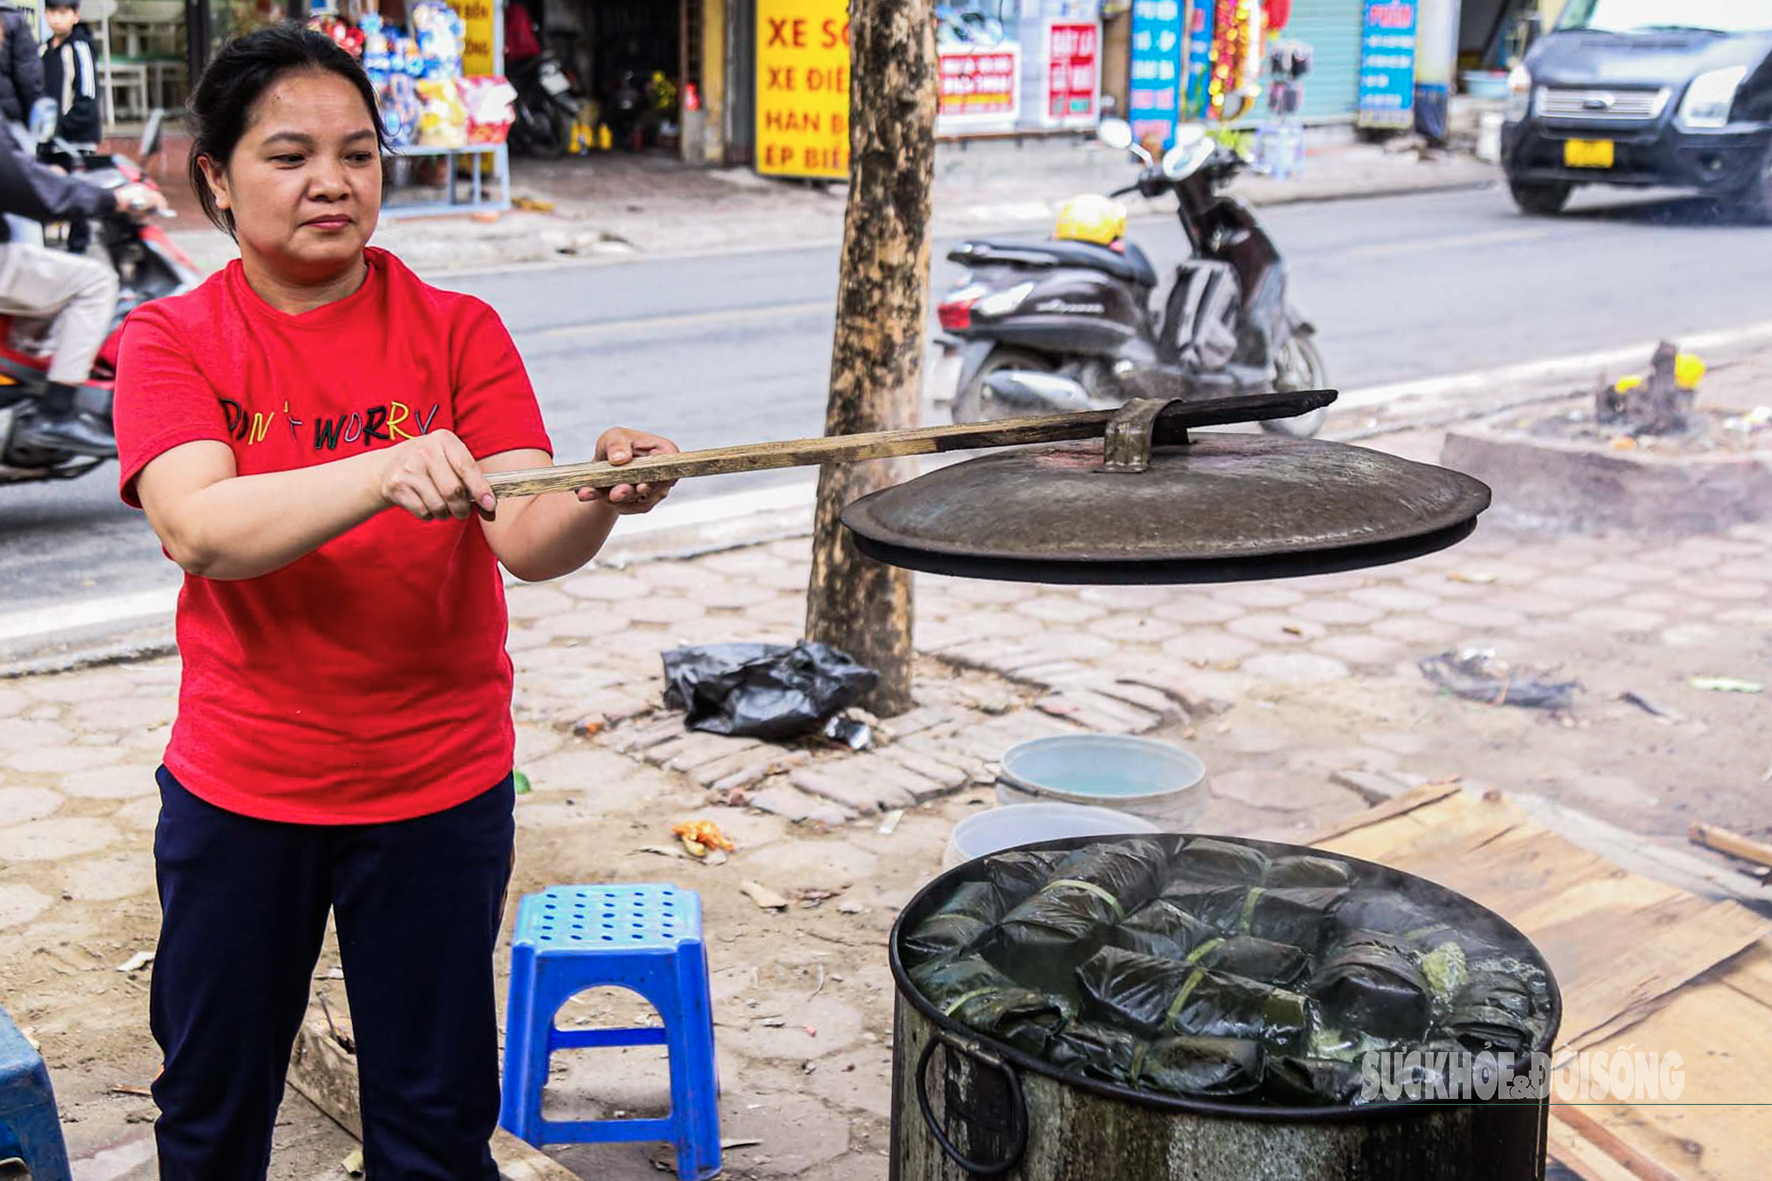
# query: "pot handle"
1018,1118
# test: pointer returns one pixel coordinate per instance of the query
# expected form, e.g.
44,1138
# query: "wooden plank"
325,1072
930,440
1614,1147
1633,852
1422,797
1719,1128
1581,1157
1732,843
1750,973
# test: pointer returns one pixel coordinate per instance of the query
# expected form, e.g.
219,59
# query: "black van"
1645,92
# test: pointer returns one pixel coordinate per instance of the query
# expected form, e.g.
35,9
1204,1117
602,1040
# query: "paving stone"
1097,713
1760,617
980,591
1691,635
782,613
801,1137
1128,598
792,578
1389,597
1064,644
56,759
1746,570
536,601
1618,619
606,586
754,559
18,732
756,772
921,786
111,783
19,904
522,639
1271,790
1721,547
1064,609
1337,611
662,608
945,775
1440,586
123,713
1256,740
790,803
1362,649
1196,609
1331,759
1722,588
860,1080
54,839
1402,742
850,783
139,814
1276,629
1413,629
1145,697
586,624
754,757
109,878
682,576
19,805
12,703
1135,629
933,635
1611,791
1210,647
732,596
922,718
1476,615
600,778
1295,666
1317,585
941,749
1530,602
1629,572
1260,595
77,688
694,747
1581,588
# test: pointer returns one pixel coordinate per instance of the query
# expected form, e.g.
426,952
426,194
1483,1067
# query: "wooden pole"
852,602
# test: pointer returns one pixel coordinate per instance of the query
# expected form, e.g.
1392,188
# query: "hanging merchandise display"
1199,57
1236,59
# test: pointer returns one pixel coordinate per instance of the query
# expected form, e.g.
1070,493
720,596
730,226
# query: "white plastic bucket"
1022,824
1155,780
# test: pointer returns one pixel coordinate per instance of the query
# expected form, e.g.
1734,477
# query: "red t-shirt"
367,681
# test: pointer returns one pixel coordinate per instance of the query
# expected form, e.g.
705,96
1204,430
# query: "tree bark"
853,602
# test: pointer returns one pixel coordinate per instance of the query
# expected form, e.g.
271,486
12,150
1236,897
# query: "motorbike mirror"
45,115
151,135
1115,133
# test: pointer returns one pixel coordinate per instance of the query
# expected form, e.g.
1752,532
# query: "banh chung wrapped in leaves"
1154,996
1198,1067
1044,938
1211,968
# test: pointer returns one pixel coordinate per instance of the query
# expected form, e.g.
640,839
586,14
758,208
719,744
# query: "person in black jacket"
79,294
70,73
21,71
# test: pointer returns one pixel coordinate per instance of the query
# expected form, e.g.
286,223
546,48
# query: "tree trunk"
853,602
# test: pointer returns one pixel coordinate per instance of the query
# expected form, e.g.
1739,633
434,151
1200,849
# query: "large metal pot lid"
1221,508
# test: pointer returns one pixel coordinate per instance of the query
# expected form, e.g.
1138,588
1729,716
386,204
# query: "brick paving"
1280,688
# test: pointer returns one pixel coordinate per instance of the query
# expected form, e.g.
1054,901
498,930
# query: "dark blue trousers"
243,912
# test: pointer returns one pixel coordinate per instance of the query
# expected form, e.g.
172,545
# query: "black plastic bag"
1154,995
1302,918
984,1000
1479,676
1207,860
1370,984
957,924
1019,875
763,690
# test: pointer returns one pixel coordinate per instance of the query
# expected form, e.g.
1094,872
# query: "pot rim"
910,994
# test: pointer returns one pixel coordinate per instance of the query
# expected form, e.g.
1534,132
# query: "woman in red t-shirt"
309,432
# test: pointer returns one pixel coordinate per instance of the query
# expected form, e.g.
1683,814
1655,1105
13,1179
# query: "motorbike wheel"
541,134
1299,366
974,403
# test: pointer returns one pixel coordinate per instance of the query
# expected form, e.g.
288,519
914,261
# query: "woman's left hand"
620,445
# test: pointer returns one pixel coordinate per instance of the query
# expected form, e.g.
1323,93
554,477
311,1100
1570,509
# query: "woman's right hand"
433,477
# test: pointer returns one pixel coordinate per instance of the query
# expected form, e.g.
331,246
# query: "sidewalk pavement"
1301,697
612,205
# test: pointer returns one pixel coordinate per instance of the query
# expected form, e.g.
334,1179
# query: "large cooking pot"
968,1106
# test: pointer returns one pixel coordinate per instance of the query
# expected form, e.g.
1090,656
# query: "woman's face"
304,183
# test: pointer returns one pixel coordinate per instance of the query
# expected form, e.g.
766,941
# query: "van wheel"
1541,200
976,404
1753,205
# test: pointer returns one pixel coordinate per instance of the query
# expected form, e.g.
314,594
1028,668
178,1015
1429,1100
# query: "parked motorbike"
1059,326
547,106
149,266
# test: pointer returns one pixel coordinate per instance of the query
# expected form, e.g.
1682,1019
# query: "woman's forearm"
246,526
556,534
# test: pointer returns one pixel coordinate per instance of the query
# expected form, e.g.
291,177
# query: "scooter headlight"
1002,303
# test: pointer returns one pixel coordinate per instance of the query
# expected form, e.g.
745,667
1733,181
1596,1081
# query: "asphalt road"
735,348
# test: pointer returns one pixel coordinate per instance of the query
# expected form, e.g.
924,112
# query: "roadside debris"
768,691
1479,675
1657,403
850,731
521,782
1631,697
353,1164
763,896
1725,685
136,962
702,838
1732,843
889,824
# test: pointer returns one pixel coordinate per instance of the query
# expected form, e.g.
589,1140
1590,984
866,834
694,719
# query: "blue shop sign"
1156,69
1387,64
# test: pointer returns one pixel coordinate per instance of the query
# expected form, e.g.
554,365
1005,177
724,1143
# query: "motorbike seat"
1132,266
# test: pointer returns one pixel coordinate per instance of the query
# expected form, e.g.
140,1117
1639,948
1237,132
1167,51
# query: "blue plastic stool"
30,1128
645,938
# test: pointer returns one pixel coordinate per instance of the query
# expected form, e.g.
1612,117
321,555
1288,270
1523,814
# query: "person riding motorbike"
79,295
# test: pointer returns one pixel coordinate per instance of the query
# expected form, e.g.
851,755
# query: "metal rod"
1009,432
